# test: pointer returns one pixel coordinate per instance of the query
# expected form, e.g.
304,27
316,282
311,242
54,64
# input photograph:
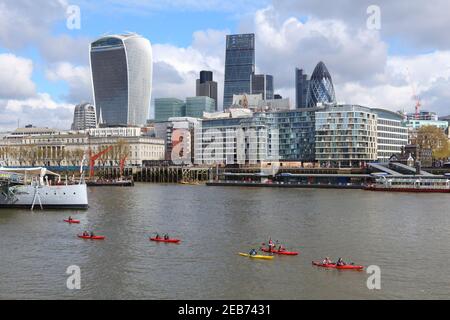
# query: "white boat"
31,187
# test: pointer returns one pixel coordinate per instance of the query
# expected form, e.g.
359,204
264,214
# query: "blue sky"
45,67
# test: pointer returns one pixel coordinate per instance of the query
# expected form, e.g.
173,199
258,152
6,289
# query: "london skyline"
375,68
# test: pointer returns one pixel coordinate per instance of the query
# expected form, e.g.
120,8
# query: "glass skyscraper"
239,66
321,88
121,67
301,89
262,84
206,87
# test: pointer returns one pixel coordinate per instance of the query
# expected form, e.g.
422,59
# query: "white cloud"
15,77
78,78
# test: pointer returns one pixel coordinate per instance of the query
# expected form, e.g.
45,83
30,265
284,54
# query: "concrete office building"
84,117
392,135
121,68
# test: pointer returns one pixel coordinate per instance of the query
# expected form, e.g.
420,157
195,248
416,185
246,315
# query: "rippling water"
407,235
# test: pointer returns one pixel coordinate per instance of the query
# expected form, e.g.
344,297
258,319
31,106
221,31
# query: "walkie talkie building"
121,67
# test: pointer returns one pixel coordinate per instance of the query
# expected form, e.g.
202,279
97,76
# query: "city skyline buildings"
206,86
239,65
121,70
321,89
262,84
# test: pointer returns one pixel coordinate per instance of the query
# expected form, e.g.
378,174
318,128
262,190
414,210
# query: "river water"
406,235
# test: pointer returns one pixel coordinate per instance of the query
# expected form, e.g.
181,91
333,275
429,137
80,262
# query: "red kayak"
92,238
334,266
165,240
285,252
71,221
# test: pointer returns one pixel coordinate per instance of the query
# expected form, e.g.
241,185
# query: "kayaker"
166,237
157,237
70,218
92,234
340,262
85,233
281,248
253,252
327,261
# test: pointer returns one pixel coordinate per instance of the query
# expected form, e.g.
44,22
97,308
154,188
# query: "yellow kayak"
256,256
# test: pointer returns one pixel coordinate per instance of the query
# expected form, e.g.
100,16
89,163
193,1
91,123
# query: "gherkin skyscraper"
321,88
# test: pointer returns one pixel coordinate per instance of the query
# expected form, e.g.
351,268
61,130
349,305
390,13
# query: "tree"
434,138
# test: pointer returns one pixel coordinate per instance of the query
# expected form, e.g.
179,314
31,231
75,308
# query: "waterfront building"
84,117
121,67
238,140
166,108
296,133
67,148
239,66
262,84
196,106
180,131
301,89
346,136
392,135
321,89
206,87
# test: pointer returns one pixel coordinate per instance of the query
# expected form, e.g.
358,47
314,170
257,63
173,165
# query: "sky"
378,57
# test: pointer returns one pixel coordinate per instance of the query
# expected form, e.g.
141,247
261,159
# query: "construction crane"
122,164
415,97
94,157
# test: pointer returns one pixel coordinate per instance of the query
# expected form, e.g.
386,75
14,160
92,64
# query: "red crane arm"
94,157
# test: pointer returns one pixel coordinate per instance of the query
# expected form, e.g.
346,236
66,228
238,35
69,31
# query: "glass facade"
195,106
346,136
121,68
301,89
206,87
296,133
166,108
262,84
239,66
321,88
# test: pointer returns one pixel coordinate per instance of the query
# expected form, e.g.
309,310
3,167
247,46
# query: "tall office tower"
321,88
206,87
239,66
301,89
262,84
84,117
121,67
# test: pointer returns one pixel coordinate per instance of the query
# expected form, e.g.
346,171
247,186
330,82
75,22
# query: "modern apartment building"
346,136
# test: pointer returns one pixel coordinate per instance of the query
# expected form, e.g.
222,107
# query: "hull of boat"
56,196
